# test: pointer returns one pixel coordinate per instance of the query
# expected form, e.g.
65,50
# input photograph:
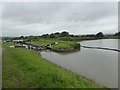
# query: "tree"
117,34
64,33
100,34
45,36
52,35
22,37
57,34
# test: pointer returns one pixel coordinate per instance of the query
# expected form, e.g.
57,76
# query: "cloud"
26,18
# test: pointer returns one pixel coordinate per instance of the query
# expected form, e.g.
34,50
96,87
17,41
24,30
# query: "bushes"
76,45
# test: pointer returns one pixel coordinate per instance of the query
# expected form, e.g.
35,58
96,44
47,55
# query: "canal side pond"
98,65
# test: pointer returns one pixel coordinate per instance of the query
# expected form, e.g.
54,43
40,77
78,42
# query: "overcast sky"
24,19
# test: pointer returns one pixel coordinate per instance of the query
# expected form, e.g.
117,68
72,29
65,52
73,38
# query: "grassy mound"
60,45
66,45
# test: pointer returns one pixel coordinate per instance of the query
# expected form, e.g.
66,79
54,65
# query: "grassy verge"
23,68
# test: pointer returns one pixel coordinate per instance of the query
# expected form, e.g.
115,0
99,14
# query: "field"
23,68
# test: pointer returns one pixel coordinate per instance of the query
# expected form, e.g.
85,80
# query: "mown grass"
23,68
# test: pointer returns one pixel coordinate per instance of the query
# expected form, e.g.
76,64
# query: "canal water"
96,64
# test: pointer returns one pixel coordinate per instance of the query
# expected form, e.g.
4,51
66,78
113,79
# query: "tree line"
66,35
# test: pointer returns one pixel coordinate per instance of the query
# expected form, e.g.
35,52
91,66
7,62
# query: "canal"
99,65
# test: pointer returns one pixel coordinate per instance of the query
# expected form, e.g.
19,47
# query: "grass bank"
61,44
66,45
23,68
